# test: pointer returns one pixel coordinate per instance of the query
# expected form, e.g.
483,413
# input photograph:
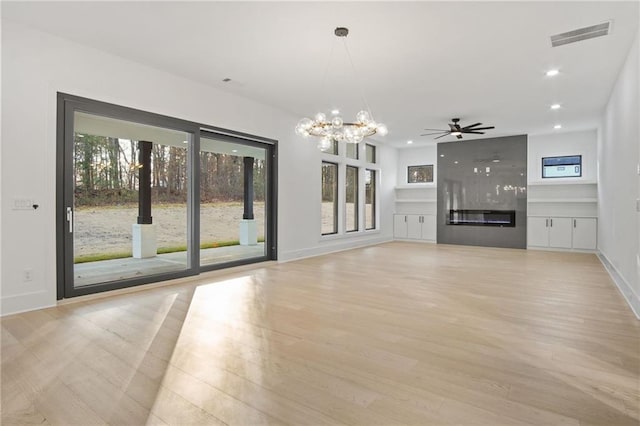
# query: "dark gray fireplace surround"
482,192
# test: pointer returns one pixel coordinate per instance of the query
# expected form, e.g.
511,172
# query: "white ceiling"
419,63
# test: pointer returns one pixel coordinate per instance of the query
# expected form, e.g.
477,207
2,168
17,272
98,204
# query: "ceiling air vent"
581,34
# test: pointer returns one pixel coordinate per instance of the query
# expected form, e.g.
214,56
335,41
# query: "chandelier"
335,129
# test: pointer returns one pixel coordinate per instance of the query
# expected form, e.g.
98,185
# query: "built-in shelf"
562,182
413,200
563,201
416,186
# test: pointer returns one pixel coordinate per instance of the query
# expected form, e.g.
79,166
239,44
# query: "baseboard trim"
625,289
412,240
334,247
26,302
564,250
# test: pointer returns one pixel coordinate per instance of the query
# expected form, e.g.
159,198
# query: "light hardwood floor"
397,333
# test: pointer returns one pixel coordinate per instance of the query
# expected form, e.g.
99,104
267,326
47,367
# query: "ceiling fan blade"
483,128
459,136
436,133
473,125
474,133
453,127
446,134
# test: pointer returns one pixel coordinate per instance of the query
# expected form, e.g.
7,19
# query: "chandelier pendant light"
334,129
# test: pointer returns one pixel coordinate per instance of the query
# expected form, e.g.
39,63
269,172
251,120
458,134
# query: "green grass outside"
162,250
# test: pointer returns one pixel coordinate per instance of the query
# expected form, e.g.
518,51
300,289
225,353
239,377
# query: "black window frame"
374,185
335,197
357,200
374,153
67,106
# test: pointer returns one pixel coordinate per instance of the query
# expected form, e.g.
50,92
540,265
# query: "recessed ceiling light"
441,155
455,162
185,141
234,150
335,111
552,72
555,106
496,160
558,126
409,142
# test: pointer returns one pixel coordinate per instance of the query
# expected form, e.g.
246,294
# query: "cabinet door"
584,233
400,226
538,231
414,226
560,231
429,227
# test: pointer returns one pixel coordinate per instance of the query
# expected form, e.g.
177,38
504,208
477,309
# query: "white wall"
558,144
416,157
35,66
619,186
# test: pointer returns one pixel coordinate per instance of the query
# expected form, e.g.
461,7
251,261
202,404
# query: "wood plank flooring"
398,333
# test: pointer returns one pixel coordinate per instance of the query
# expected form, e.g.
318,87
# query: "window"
348,194
332,149
351,201
329,198
352,150
562,167
420,174
371,153
370,199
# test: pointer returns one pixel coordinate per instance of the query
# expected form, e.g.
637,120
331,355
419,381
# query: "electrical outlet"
27,275
23,204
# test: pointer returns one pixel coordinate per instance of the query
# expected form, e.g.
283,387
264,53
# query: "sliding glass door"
144,198
129,210
233,190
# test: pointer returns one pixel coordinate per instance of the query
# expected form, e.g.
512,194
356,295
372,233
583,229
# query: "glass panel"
228,232
370,199
420,174
353,150
329,198
130,199
371,153
331,149
351,202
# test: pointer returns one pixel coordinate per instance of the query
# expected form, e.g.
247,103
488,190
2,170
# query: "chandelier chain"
355,76
335,129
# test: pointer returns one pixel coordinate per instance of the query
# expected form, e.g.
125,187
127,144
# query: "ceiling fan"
457,131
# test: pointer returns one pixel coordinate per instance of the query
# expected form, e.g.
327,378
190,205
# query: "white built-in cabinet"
562,215
585,233
400,227
414,227
415,218
562,232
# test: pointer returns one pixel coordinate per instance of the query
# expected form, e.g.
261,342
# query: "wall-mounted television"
562,167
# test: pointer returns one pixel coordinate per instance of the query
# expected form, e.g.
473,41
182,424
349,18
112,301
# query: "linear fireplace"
482,192
500,218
